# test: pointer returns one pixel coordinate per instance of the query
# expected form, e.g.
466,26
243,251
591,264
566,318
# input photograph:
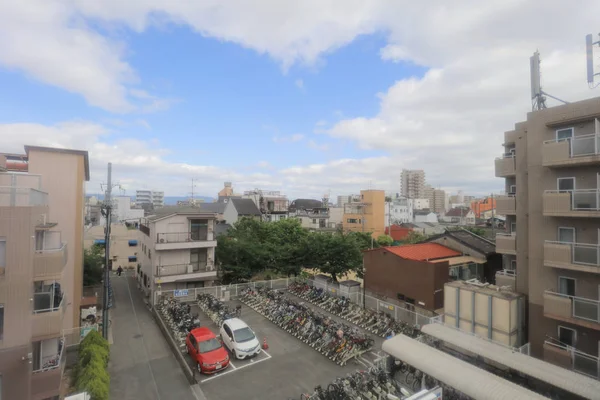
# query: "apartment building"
551,163
368,215
124,244
273,205
398,211
412,183
438,205
41,263
312,214
156,198
123,212
176,250
343,199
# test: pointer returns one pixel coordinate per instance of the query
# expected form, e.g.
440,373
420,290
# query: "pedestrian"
119,270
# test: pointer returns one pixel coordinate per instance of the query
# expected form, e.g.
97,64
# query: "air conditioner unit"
190,269
161,240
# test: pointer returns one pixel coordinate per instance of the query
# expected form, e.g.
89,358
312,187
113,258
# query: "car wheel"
199,368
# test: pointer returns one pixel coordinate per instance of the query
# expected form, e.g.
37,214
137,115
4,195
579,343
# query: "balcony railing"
52,361
506,243
145,230
506,205
46,380
182,269
563,254
506,277
505,166
49,263
180,237
571,358
572,308
583,202
11,196
571,151
48,321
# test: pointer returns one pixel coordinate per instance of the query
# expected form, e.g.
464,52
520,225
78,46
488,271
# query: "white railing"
581,308
41,296
74,336
51,241
52,361
581,146
582,199
582,253
507,272
581,362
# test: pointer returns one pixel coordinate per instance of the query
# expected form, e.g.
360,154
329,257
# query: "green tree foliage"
252,246
385,240
93,264
476,231
90,374
414,237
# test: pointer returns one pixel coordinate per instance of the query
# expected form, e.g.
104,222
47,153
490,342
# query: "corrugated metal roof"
422,251
570,381
464,377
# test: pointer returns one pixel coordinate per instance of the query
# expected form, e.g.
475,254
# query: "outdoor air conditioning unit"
190,269
161,241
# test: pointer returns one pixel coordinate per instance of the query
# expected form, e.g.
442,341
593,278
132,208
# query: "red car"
208,351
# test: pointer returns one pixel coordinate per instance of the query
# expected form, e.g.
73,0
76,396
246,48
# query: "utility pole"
107,209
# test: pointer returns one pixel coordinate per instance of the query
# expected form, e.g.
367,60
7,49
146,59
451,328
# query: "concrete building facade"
398,211
551,162
368,215
412,183
153,197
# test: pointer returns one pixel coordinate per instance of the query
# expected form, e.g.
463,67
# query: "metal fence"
73,336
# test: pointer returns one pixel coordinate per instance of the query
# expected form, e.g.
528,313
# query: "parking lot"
288,368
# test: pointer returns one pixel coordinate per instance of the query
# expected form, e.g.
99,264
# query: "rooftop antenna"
538,96
589,53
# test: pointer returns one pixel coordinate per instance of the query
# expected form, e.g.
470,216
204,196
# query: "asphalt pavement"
141,366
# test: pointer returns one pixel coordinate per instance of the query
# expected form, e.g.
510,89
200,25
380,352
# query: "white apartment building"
421,204
177,250
122,210
156,198
398,211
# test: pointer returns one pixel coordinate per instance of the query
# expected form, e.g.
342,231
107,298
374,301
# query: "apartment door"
566,286
566,235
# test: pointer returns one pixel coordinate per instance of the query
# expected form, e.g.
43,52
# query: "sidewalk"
141,365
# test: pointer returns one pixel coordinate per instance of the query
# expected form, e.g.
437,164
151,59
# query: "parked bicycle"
337,341
216,310
379,323
178,318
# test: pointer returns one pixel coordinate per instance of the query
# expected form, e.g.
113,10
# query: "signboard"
389,307
180,292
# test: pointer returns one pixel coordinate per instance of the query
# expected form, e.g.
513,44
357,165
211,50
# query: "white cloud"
315,146
299,84
288,139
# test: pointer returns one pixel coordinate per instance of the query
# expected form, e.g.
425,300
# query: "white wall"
230,214
431,217
336,214
421,204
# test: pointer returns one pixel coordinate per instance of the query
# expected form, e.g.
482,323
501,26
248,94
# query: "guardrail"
581,146
507,272
181,269
581,362
582,253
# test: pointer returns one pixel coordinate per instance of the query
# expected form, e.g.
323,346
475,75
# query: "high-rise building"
153,197
367,214
551,166
439,201
412,183
41,266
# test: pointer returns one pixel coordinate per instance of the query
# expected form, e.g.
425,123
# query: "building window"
565,184
199,229
566,286
352,221
132,259
567,336
314,220
2,252
564,134
566,235
282,217
1,329
149,254
198,259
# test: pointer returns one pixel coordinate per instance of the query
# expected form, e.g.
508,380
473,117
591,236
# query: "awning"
462,376
565,379
100,241
133,242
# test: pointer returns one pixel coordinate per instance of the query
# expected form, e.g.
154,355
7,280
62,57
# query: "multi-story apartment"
398,211
156,198
439,201
312,214
343,199
367,215
421,204
412,183
122,211
176,250
272,204
124,244
40,275
551,246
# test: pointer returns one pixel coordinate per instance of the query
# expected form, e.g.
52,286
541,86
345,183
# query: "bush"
90,374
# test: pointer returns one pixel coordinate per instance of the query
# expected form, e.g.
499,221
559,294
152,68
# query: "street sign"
180,292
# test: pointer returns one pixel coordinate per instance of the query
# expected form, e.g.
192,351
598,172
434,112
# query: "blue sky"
306,99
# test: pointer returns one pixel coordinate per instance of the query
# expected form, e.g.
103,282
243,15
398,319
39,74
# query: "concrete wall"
389,275
120,251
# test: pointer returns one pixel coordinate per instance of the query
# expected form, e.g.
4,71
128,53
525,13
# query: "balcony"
510,137
185,240
48,264
570,358
573,152
574,256
572,203
572,309
48,315
506,205
11,196
506,277
505,166
47,374
506,243
185,272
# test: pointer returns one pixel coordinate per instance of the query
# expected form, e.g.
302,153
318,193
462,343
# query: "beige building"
412,183
551,246
41,267
124,244
439,201
368,215
176,250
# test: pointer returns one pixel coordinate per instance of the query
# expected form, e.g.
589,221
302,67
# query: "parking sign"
180,292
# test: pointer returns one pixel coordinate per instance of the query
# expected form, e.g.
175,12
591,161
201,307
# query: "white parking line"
252,362
232,365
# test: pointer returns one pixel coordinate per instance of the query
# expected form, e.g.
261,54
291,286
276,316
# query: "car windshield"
209,345
243,335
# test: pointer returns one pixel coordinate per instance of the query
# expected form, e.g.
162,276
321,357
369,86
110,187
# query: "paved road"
141,365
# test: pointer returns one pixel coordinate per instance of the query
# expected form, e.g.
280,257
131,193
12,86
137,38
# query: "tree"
414,237
93,265
335,254
388,199
476,231
384,240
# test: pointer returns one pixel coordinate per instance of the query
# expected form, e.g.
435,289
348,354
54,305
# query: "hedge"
90,374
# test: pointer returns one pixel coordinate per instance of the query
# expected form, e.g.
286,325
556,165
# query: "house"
238,208
415,274
489,263
425,228
312,214
272,205
425,216
397,232
176,250
459,216
124,244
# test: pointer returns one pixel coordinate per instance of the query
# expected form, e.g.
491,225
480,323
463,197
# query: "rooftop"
421,251
485,288
245,207
469,239
166,211
83,153
458,212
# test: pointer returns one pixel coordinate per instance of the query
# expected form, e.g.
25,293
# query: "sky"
310,98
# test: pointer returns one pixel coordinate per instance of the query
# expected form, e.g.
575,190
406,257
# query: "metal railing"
581,146
581,362
581,308
53,361
48,298
582,253
74,336
51,241
507,272
182,269
179,237
582,199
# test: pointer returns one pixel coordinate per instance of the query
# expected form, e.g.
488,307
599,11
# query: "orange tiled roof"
422,251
